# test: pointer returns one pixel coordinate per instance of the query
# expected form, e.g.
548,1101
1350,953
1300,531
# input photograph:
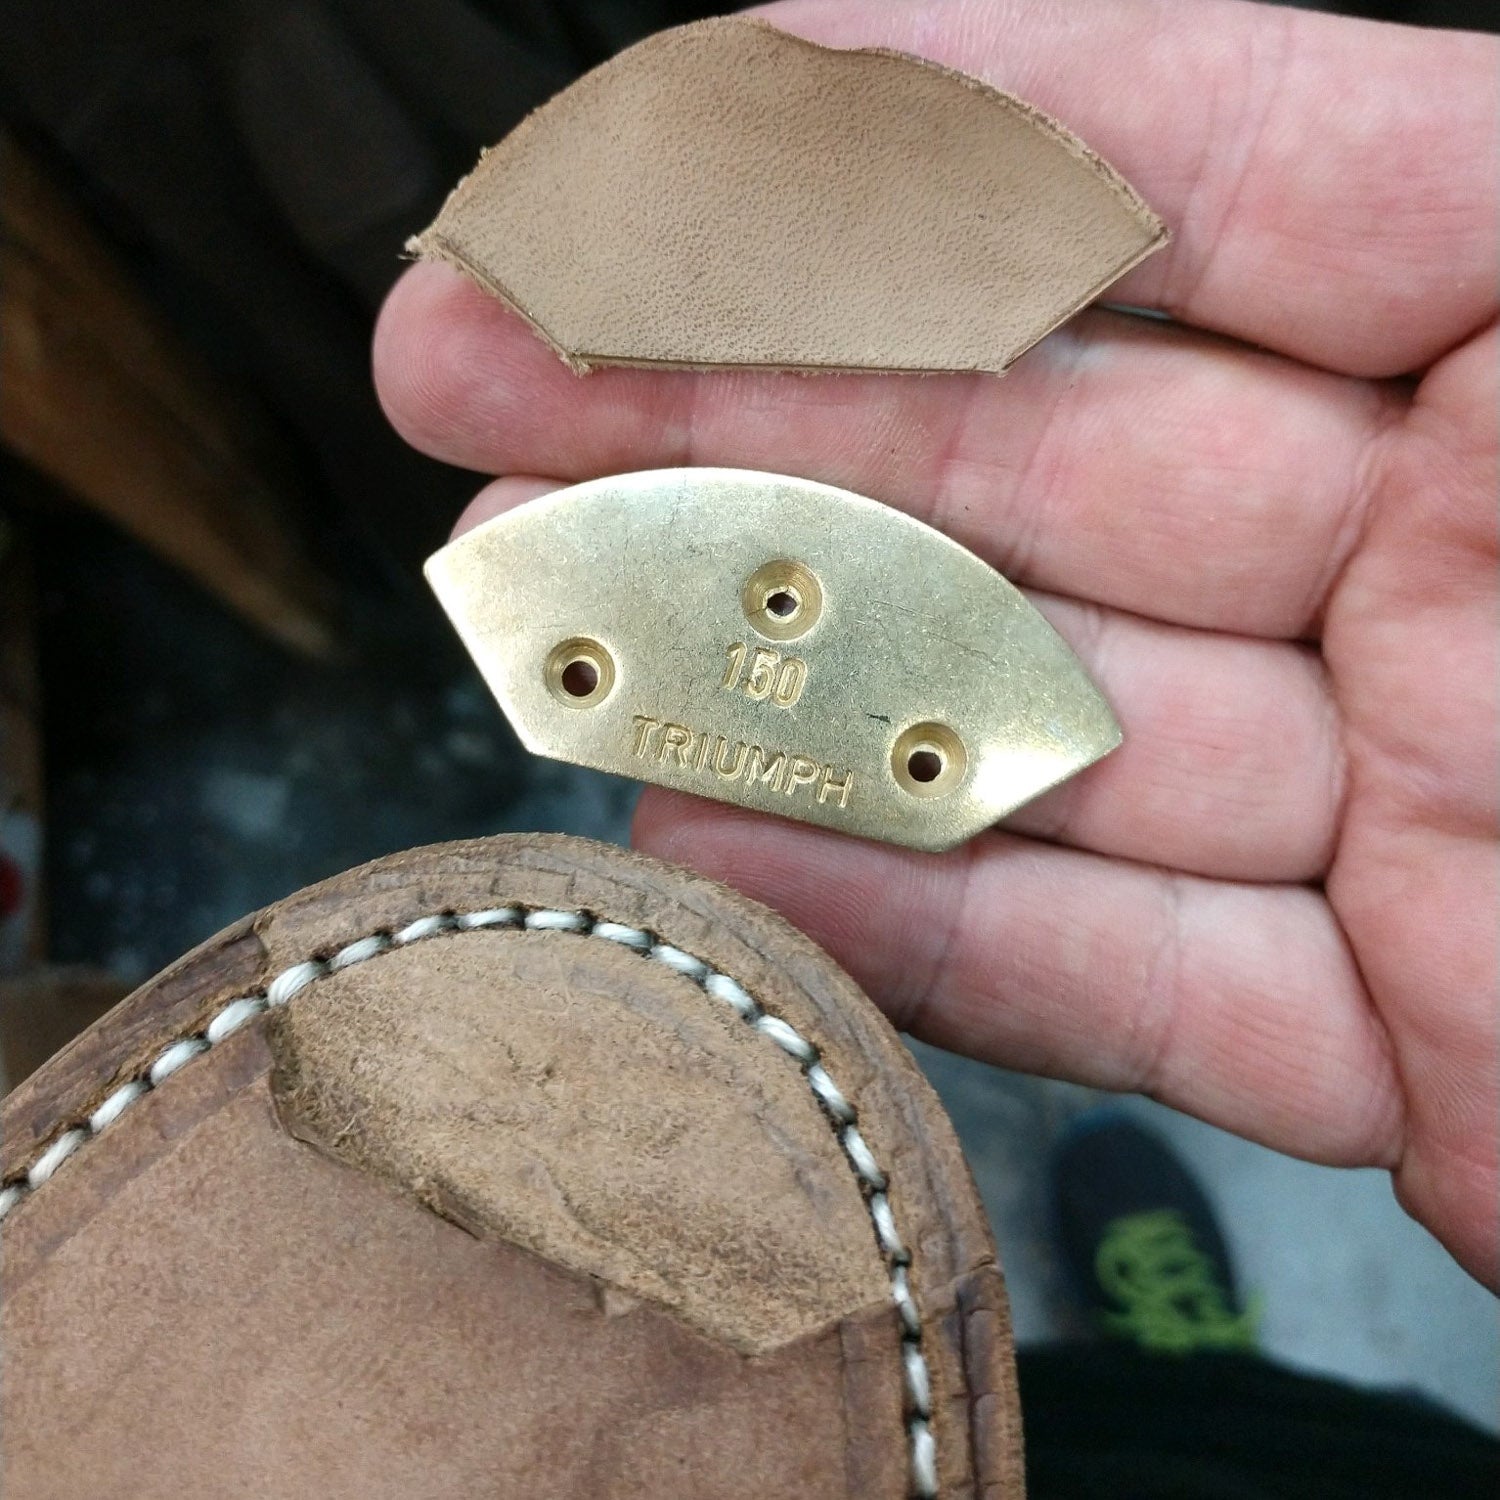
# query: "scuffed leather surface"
587,1105
202,1304
725,194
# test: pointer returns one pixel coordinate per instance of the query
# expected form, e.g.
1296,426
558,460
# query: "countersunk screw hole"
579,672
782,599
924,765
580,678
929,760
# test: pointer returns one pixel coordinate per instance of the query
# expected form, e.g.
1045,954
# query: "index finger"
1333,186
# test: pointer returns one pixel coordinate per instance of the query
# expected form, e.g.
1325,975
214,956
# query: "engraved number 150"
770,676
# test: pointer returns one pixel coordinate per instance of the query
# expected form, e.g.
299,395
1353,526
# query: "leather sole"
524,1166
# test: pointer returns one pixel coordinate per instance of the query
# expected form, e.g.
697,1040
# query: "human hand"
1274,907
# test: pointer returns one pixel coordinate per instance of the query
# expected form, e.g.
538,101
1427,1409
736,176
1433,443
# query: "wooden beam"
97,393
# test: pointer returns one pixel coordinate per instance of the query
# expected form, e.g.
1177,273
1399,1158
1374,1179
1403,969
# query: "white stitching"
630,937
885,1229
500,916
423,927
923,1458
358,952
722,987
109,1111
232,1017
556,921
829,1095
684,963
787,1038
54,1156
175,1056
916,1373
918,1381
290,981
862,1158
911,1317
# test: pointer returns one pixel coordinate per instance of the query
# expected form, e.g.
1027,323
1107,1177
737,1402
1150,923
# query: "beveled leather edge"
70,1084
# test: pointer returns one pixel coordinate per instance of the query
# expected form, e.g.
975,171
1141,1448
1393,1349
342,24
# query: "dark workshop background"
220,675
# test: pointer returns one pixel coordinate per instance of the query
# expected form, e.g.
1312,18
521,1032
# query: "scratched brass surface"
775,643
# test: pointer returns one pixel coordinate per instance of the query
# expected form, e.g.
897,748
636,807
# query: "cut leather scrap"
540,1090
726,194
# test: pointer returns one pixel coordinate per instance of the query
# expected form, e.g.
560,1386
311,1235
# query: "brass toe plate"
775,643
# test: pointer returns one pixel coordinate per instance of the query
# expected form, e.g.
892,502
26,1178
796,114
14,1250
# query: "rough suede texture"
590,1107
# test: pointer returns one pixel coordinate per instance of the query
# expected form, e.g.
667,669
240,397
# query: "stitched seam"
840,1113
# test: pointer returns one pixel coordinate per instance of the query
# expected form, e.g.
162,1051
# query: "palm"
1273,906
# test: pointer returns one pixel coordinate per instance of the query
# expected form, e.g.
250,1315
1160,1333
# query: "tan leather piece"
591,1108
199,1303
725,194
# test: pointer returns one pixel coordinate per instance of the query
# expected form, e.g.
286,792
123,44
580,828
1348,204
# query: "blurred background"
221,677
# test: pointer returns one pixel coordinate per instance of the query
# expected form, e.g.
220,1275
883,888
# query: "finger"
1231,764
1332,184
1129,462
503,495
1237,1003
